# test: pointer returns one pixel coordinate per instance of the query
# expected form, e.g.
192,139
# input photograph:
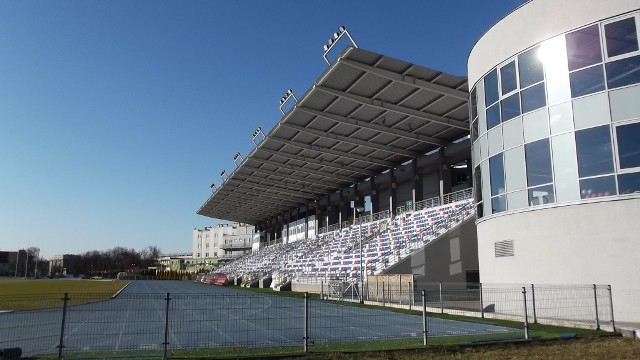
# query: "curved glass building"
555,131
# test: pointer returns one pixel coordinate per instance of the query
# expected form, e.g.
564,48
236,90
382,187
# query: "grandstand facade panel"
555,129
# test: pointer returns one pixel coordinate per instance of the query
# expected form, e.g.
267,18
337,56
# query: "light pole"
35,271
360,209
26,265
17,258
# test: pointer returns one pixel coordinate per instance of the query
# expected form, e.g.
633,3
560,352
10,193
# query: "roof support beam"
350,140
292,176
319,149
307,171
301,192
235,206
249,197
373,126
395,108
319,162
393,76
266,196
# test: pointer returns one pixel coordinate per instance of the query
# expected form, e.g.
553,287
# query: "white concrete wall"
534,22
589,243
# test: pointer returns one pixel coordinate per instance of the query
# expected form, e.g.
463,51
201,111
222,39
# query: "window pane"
474,130
496,169
493,116
538,158
541,195
628,145
597,187
491,87
586,81
621,37
510,107
474,104
594,151
530,67
623,72
629,183
499,204
533,98
583,47
508,78
477,183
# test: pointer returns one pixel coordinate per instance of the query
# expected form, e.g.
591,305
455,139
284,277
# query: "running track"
205,316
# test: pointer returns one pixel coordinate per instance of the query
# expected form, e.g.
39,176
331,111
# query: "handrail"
380,215
427,203
463,194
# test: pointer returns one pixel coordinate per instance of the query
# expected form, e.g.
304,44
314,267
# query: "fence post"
481,302
165,344
384,300
526,318
64,319
441,304
595,299
306,322
533,303
613,322
321,289
410,295
425,323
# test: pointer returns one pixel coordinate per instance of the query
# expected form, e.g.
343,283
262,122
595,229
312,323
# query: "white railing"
457,196
362,220
381,215
426,204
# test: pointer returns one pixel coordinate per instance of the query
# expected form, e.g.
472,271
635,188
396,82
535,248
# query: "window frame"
603,38
616,149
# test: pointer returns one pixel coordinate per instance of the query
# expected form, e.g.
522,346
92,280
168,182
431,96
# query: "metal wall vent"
504,248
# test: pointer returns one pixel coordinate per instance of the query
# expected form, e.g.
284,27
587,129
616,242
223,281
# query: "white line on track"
124,324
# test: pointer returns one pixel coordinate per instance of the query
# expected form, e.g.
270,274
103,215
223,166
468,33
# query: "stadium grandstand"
388,167
374,141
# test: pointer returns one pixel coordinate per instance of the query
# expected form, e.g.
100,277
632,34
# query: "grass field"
587,348
38,294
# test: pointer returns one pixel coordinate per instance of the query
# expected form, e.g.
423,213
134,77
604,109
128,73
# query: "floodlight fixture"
213,187
287,95
333,40
257,132
222,174
236,157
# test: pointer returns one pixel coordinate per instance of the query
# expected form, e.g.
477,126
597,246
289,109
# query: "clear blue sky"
116,116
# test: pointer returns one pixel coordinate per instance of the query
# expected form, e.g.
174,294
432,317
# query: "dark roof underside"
367,113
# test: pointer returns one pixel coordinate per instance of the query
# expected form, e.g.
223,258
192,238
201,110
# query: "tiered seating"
337,253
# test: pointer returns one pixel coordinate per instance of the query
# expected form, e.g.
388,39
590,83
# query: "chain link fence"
62,325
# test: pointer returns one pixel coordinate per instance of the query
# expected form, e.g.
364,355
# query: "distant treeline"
119,259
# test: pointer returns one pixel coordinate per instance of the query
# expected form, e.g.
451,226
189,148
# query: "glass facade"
560,121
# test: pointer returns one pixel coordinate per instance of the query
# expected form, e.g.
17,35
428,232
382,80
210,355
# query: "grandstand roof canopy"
366,114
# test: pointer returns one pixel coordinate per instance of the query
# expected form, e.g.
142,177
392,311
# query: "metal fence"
584,306
59,326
